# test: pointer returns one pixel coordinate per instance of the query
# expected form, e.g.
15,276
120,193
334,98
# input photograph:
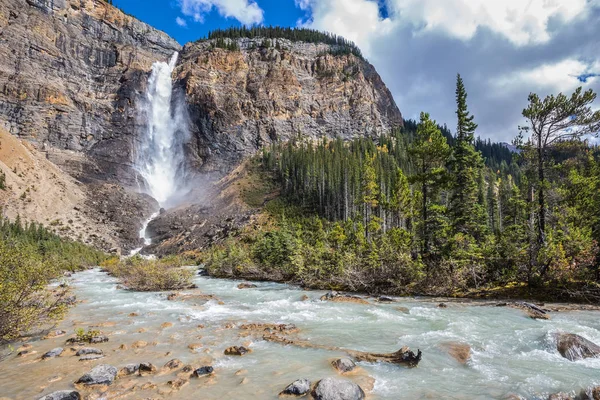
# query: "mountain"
73,72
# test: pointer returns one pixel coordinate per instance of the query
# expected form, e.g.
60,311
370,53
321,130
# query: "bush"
145,275
26,300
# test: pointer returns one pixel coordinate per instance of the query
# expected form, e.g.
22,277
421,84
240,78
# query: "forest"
270,34
422,211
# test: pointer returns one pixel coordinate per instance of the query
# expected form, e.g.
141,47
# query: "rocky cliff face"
242,100
69,74
72,73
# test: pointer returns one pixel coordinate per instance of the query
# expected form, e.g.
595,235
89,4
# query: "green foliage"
144,275
30,258
85,337
2,180
421,211
339,45
466,165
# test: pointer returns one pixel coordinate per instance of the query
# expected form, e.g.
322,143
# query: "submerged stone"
237,351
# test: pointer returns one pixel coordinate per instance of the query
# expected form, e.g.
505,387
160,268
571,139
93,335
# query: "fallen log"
404,356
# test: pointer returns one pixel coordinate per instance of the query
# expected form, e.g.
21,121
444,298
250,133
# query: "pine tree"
467,216
430,150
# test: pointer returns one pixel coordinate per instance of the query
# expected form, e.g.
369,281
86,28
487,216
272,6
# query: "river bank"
510,354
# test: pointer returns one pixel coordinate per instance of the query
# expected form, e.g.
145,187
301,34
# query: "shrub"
26,300
144,275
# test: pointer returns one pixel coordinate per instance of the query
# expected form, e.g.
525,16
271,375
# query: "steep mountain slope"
242,100
73,72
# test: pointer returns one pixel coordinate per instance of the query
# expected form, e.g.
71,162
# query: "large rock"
574,347
53,353
337,389
88,350
343,365
62,395
299,387
103,374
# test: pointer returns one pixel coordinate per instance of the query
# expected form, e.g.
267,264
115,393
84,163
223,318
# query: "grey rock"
102,374
62,395
337,389
206,370
91,357
574,347
385,299
99,339
344,364
129,369
299,387
53,353
88,350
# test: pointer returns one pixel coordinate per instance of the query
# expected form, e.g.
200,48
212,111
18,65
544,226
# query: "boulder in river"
343,365
129,369
102,374
385,299
173,364
246,285
299,387
337,389
203,371
574,347
146,368
62,395
88,350
236,351
592,393
53,353
461,352
99,339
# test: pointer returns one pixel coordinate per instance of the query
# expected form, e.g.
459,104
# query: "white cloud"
245,11
181,22
520,21
561,76
503,49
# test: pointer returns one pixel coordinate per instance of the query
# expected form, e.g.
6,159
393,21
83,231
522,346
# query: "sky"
503,49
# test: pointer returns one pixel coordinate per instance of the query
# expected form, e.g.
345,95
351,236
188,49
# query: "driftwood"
404,356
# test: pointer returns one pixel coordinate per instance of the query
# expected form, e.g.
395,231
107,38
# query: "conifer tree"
430,150
467,215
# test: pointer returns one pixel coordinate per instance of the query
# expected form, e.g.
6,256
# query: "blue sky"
503,49
162,14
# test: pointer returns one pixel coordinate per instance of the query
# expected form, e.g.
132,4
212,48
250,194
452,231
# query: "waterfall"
159,154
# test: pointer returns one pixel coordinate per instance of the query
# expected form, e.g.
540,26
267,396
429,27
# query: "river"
511,353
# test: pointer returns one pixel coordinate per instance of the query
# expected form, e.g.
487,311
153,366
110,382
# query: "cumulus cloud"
245,11
503,50
181,22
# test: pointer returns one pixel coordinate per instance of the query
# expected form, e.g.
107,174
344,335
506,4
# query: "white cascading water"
159,156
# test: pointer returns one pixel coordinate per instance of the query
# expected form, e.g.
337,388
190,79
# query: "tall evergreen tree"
430,150
467,215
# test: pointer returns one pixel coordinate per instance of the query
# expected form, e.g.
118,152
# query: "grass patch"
154,275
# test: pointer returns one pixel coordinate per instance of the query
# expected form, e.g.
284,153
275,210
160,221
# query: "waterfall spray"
159,155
